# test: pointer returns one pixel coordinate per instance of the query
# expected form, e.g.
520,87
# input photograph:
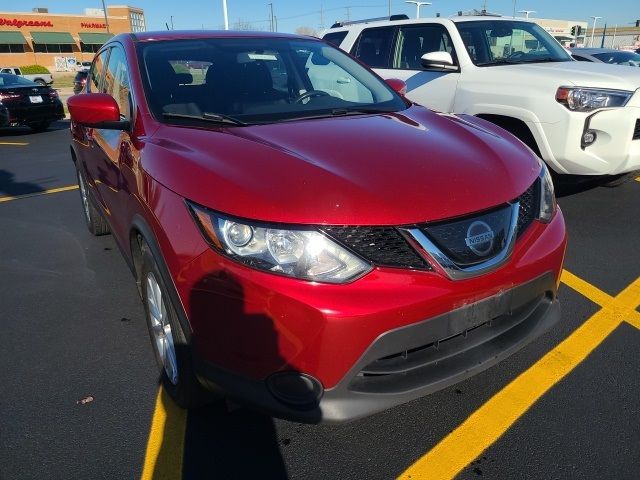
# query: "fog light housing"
295,389
588,137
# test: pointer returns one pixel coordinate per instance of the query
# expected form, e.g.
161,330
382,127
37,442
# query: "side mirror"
96,110
399,86
438,60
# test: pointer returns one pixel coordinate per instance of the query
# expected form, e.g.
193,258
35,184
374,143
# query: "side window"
415,41
580,59
96,71
374,46
116,81
335,38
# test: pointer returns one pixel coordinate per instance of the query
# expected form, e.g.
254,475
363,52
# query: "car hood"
583,74
391,169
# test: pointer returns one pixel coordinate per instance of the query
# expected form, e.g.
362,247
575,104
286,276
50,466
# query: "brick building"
58,41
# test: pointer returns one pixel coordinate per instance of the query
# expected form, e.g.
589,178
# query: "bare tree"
306,31
244,25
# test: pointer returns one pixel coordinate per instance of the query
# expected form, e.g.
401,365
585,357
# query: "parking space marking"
165,447
19,144
464,444
37,194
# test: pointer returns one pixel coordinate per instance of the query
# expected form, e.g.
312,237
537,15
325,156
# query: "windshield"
501,42
619,58
257,80
9,80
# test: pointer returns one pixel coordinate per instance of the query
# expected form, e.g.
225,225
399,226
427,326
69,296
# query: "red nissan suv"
304,239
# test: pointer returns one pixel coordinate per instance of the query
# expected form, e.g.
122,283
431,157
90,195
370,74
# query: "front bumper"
412,361
248,325
615,151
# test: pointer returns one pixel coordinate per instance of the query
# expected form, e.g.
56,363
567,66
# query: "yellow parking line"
37,194
165,447
20,144
453,453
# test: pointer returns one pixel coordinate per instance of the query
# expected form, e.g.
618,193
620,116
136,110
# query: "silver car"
606,55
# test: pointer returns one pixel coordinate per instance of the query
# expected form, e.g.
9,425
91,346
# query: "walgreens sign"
14,22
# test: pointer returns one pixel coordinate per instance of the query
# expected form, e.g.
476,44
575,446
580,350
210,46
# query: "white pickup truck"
581,118
39,78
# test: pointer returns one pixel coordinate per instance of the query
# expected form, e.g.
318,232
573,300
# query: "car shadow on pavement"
223,440
22,131
9,187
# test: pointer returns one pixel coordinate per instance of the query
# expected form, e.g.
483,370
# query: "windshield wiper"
338,112
208,117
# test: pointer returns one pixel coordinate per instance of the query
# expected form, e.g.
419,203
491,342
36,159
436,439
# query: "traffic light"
573,31
579,30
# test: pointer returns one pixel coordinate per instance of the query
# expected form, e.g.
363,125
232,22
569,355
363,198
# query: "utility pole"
225,14
275,23
604,34
321,17
348,13
271,22
593,32
389,8
106,18
615,31
172,23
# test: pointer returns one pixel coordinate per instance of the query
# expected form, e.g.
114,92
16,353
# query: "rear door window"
335,38
374,46
416,40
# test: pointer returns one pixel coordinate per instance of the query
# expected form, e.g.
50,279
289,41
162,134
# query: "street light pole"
593,32
225,14
527,12
106,18
418,5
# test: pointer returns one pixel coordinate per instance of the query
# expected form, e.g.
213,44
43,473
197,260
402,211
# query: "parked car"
318,254
83,66
79,81
39,78
23,102
606,55
580,118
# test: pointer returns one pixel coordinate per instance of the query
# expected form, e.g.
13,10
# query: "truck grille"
386,246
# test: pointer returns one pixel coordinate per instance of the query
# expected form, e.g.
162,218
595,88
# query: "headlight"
547,196
580,99
296,252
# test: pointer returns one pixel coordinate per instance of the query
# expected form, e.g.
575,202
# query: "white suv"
581,118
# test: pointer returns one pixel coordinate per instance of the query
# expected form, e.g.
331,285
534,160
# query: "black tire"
96,223
40,127
40,81
185,390
617,180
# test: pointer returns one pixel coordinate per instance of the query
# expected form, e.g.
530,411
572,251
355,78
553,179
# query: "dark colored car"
80,81
304,239
606,55
23,102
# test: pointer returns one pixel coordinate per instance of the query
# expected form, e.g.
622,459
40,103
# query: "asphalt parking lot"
79,396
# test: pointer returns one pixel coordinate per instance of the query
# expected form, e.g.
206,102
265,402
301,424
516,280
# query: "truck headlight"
580,99
548,204
300,252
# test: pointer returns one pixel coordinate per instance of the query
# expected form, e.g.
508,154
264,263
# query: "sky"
291,14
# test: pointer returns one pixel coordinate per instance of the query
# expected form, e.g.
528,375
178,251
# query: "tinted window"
415,41
374,46
7,80
619,58
335,37
580,59
261,80
116,81
97,69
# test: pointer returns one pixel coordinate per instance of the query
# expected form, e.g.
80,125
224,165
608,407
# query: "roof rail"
392,18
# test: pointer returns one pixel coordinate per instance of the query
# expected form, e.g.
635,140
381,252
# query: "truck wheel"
40,81
96,223
170,346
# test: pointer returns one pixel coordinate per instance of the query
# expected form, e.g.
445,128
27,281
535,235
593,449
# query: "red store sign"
93,25
14,22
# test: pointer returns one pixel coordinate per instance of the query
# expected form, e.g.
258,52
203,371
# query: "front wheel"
39,81
96,223
171,348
